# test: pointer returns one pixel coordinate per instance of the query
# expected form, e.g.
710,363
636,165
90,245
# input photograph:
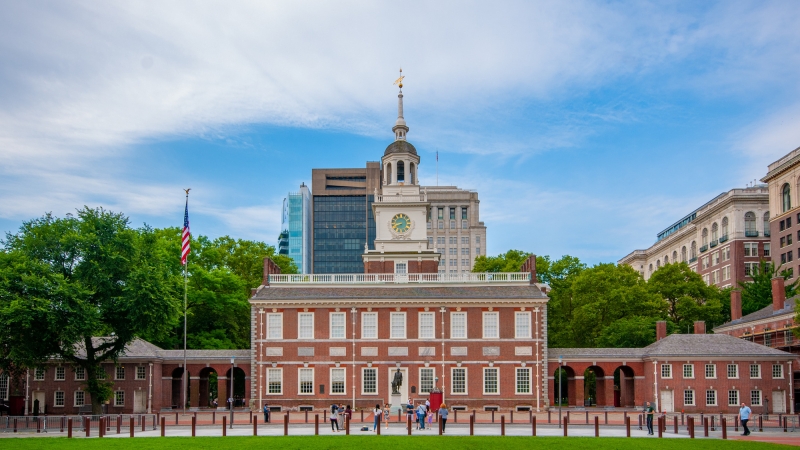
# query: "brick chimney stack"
736,304
699,327
270,268
778,294
661,330
530,266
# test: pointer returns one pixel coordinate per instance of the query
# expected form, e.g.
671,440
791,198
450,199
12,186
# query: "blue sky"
586,127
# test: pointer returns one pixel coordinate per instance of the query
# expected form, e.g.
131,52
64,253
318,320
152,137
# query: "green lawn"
382,442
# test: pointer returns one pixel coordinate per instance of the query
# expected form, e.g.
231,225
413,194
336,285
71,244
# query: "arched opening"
705,237
208,387
683,254
674,256
651,267
666,259
564,381
177,398
401,173
412,172
725,227
694,251
624,392
750,224
389,174
766,224
658,264
238,386
714,232
594,386
786,197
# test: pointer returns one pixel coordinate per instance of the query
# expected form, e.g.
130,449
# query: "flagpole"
185,284
437,167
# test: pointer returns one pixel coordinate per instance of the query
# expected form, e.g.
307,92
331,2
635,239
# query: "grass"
383,442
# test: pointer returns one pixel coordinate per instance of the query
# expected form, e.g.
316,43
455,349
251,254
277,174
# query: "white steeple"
400,129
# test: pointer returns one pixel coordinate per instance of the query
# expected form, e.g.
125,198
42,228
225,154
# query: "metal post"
194,426
533,425
224,429
119,424
675,423
163,426
724,424
408,423
565,426
286,424
131,427
502,425
628,426
255,426
558,399
69,427
660,426
316,424
596,426
378,428
231,393
88,427
705,426
471,425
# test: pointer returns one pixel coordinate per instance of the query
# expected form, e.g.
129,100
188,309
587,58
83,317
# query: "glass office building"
295,238
342,226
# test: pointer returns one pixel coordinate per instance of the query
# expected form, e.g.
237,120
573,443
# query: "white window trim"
751,372
684,371
391,325
760,397
75,399
330,377
466,323
738,397
55,374
363,370
116,403
36,373
483,381
694,397
483,331
266,391
433,379
661,372
419,325
705,372
782,371
55,403
330,325
716,397
516,329
728,373
144,373
116,373
299,383
466,381
268,328
76,370
364,314
299,328
516,381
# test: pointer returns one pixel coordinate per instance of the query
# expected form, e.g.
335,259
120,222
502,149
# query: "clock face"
401,223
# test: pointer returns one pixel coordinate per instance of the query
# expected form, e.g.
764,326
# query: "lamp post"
560,359
230,406
443,310
353,312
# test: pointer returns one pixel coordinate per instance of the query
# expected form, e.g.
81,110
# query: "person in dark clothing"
649,412
266,413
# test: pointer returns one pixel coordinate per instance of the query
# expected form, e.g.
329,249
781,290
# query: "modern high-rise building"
295,238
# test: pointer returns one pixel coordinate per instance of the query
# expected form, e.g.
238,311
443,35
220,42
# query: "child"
430,418
386,412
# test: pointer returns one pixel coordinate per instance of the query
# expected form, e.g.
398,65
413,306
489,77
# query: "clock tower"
401,210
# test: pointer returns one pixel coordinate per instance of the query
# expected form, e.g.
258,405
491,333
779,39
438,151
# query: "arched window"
401,173
666,259
786,197
411,168
674,256
714,232
725,227
694,249
766,223
750,224
658,264
683,254
705,237
389,174
651,267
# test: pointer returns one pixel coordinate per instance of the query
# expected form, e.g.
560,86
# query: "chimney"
270,268
661,330
778,294
699,327
530,266
736,304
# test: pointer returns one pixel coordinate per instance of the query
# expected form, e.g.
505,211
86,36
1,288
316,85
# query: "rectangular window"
755,371
465,240
400,268
274,381
338,325
767,249
426,327
38,374
477,251
441,224
458,325
755,398
705,262
733,371
688,371
783,242
522,324
58,402
666,371
337,381
61,373
751,249
80,374
711,398
715,258
452,224
491,325
80,398
711,371
777,372
490,378
782,225
305,326
458,381
425,380
726,253
788,222
398,325
523,380
305,377
119,398
733,398
119,373
750,268
275,326
441,213
452,213
788,241
369,381
463,213
369,325
141,372
3,386
688,397
789,257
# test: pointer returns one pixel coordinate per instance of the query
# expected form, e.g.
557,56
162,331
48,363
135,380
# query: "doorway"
38,405
139,402
667,402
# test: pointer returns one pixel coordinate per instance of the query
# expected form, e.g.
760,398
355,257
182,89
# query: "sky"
585,127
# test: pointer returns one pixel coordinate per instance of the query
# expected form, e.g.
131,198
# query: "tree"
688,297
629,332
510,261
79,289
758,293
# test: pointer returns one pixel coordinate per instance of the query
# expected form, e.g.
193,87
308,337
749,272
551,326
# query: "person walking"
421,411
342,416
649,411
443,412
409,413
744,416
430,418
386,412
334,418
377,420
348,413
266,413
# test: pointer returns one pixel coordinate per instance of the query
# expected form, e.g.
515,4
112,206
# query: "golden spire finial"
399,81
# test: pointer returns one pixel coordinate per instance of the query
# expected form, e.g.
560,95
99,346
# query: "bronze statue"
397,381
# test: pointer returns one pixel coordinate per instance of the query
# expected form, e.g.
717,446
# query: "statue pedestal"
397,403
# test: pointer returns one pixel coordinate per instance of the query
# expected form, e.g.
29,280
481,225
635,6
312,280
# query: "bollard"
624,416
675,423
702,418
565,424
63,420
530,415
362,416
440,427
38,424
705,425
736,424
194,426
69,427
455,416
724,424
503,425
131,427
213,417
713,428
492,416
640,421
163,426
316,425
143,422
101,430
255,425
606,419
408,424
251,416
627,426
681,418
596,426
760,423
306,416
399,412
119,424
176,418
587,417
533,425
690,426
347,425
548,416
660,426
784,424
471,425
88,426
511,418
286,424
224,428
378,428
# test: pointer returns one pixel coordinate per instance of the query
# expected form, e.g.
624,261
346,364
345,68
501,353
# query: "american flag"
186,236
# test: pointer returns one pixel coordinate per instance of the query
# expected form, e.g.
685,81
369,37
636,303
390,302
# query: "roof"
273,293
206,354
400,147
763,313
139,348
703,345
634,353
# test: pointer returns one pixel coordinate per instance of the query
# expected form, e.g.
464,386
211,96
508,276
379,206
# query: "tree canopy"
758,293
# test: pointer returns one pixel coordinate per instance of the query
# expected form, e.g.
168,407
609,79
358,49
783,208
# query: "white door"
38,395
667,403
139,402
778,402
